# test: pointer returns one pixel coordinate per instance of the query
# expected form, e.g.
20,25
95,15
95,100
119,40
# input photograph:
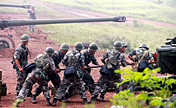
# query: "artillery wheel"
6,42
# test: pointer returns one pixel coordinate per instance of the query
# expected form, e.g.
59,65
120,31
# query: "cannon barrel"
6,23
15,5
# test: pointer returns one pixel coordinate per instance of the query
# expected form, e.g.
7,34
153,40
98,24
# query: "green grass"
132,8
106,34
11,9
41,10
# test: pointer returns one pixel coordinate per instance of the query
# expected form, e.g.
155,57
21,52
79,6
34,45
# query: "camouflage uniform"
139,52
21,53
75,80
38,75
54,77
31,16
105,81
87,78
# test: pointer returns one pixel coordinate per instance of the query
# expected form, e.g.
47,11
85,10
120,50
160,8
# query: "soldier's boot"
84,100
17,93
54,102
17,102
48,103
102,97
65,99
29,93
34,99
92,99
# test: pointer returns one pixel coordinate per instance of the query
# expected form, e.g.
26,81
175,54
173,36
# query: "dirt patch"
7,53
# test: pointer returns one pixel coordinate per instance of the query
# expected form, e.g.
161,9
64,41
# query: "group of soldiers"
77,71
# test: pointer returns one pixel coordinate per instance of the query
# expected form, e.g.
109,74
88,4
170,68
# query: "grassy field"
106,34
146,9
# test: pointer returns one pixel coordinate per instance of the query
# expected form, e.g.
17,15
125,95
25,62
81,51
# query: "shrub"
160,88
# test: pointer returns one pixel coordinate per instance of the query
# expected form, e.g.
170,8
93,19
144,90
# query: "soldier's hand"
20,69
100,65
57,70
84,67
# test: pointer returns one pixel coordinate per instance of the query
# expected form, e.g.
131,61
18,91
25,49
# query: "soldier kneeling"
39,75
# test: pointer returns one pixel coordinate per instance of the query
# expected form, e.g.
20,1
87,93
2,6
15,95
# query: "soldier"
142,57
39,74
74,61
124,47
31,15
88,57
123,50
111,59
21,60
52,76
86,45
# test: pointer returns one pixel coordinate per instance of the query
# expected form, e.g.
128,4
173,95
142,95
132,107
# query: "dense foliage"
158,92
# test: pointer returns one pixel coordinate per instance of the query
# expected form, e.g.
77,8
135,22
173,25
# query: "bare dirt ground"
37,45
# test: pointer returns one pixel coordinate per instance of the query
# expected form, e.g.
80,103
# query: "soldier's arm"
64,60
53,67
122,60
151,59
130,55
104,57
18,64
28,11
17,57
56,60
83,66
94,60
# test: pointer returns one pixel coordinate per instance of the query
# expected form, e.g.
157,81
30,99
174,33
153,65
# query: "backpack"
42,62
28,69
73,60
113,57
109,67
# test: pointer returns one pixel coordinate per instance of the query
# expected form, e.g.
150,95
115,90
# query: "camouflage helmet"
124,45
64,46
78,46
49,50
93,47
143,45
25,37
117,45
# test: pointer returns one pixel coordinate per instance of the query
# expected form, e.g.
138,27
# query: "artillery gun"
15,5
6,41
7,23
